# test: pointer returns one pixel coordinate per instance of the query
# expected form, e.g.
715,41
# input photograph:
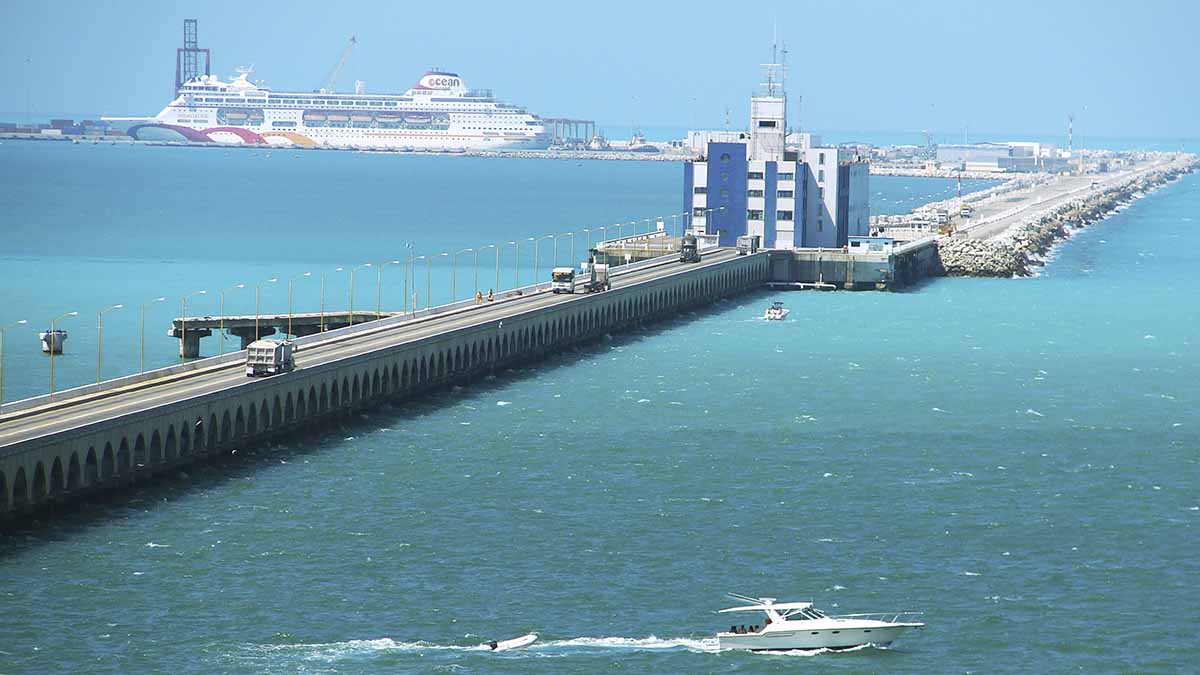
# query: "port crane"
330,80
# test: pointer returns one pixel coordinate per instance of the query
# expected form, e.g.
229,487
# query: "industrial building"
786,188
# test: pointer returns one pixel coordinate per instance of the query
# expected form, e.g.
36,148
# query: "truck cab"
747,244
562,280
688,250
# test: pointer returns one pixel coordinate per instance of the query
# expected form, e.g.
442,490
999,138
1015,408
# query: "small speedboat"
799,625
776,312
505,645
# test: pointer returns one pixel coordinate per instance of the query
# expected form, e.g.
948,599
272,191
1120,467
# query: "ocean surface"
1015,458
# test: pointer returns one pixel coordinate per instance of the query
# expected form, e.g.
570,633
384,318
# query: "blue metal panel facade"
770,203
727,168
689,182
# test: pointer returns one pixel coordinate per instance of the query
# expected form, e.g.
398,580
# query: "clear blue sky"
1001,66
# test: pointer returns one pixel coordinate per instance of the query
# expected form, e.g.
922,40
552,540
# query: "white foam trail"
151,544
503,403
707,645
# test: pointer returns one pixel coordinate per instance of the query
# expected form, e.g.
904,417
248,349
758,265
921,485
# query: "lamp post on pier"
291,288
3,330
454,272
53,328
221,330
379,286
257,289
142,344
182,326
100,336
322,319
496,288
564,234
517,267
362,266
536,247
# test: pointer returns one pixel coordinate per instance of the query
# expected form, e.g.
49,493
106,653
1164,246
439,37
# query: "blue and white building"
798,196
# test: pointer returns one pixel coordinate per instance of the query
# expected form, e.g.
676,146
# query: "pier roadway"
66,449
991,219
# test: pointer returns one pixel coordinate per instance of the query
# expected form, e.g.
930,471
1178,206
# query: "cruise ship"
439,113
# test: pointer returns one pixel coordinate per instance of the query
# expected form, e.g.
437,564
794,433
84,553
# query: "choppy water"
1016,458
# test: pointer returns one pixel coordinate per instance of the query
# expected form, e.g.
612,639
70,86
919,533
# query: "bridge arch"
74,473
171,447
91,468
376,383
155,448
20,489
335,399
214,434
312,400
289,409
38,487
226,427
323,400
139,452
185,439
58,482
301,406
252,419
108,463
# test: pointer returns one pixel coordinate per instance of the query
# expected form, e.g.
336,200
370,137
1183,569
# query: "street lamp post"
182,325
322,319
352,289
221,330
564,234
100,336
537,241
3,330
454,272
53,328
429,278
379,286
142,347
495,288
588,232
517,269
291,287
257,289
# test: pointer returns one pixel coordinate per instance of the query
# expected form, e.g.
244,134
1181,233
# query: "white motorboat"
799,625
776,312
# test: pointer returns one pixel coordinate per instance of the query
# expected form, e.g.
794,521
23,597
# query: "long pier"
130,430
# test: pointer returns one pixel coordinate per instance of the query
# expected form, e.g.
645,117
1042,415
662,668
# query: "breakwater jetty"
1012,242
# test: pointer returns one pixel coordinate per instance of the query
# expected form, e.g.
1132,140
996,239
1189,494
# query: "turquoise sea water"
1016,458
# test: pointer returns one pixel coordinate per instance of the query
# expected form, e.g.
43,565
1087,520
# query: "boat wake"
579,646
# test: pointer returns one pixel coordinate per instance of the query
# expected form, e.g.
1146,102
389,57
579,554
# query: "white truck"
269,357
592,276
747,244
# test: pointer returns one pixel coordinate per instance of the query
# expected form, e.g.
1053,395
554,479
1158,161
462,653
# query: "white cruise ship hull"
438,114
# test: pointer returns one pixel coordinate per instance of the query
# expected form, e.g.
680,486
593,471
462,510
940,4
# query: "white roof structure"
783,606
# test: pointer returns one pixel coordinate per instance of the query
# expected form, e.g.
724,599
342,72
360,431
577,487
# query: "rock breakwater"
1020,249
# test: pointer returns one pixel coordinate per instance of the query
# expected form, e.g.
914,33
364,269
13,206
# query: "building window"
699,190
820,223
821,158
698,212
821,176
785,194
754,214
755,175
787,176
766,124
822,192
754,193
783,215
724,195
724,157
